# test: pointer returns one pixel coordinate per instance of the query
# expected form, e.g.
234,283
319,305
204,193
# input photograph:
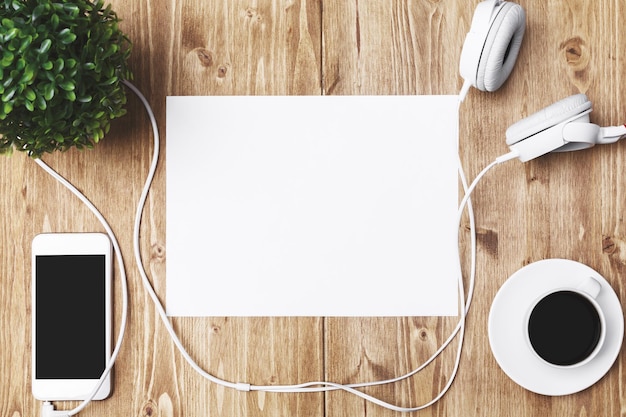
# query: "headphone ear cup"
544,119
501,47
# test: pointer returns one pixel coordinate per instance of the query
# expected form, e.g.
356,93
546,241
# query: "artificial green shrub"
61,69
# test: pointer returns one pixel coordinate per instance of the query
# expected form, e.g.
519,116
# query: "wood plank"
375,47
245,48
229,48
392,47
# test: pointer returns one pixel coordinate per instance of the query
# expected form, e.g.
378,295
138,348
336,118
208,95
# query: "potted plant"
61,69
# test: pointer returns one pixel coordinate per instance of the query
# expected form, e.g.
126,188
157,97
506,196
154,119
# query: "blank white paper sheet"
312,206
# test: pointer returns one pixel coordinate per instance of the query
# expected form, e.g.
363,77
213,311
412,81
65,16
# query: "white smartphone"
71,315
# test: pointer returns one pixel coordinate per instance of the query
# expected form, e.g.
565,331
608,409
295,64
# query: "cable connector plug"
507,157
47,410
242,386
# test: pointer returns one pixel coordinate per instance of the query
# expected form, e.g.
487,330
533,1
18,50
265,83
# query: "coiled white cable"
314,386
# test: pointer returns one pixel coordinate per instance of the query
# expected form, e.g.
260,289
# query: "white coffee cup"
566,327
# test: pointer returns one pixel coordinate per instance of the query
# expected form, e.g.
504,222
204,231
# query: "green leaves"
45,46
61,66
7,59
66,36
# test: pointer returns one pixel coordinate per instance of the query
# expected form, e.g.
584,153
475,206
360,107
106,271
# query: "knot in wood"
575,53
158,252
149,409
253,14
608,245
423,334
204,56
221,71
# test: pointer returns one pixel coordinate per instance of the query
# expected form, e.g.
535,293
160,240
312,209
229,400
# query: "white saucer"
506,327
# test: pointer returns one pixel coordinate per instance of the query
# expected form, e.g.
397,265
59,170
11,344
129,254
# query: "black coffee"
564,328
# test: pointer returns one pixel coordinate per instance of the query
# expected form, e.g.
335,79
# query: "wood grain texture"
562,205
375,47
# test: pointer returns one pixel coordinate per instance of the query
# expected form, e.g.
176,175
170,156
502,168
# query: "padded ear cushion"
501,47
548,117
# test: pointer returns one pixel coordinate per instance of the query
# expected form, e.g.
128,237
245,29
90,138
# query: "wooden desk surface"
562,205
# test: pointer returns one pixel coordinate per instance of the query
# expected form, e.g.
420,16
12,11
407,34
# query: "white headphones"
487,59
492,44
562,126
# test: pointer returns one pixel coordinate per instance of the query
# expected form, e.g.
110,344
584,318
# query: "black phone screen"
70,316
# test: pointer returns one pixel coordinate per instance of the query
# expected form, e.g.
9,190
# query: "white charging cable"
48,408
314,386
320,386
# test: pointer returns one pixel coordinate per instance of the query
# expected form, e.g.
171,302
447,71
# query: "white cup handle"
590,286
